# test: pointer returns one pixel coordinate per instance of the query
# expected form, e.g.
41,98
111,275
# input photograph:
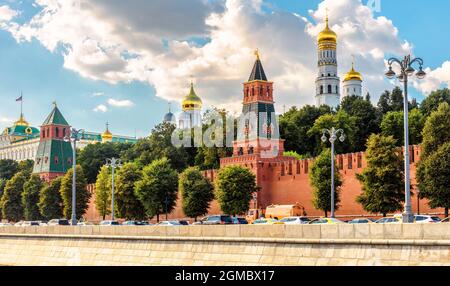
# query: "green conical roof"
55,117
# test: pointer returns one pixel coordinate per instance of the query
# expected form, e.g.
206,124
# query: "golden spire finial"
257,54
326,15
353,61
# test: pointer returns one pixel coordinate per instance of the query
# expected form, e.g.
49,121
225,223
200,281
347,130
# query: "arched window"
329,88
337,89
321,89
57,132
298,167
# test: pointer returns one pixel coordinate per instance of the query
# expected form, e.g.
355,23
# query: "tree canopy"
128,206
320,178
158,187
82,194
392,125
50,200
196,191
234,189
30,198
103,192
383,178
12,208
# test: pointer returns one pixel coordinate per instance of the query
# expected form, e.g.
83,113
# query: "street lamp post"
406,70
333,133
73,137
113,163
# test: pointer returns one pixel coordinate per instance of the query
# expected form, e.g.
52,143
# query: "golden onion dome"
327,35
192,101
21,121
107,135
353,75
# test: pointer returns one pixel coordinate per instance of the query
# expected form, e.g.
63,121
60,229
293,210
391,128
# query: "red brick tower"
258,145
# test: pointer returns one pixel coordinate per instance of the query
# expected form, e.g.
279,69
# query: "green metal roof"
55,117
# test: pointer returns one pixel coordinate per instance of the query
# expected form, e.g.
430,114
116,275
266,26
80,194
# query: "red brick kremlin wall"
284,180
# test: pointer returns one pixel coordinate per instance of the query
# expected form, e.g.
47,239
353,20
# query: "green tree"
93,157
50,200
294,127
30,198
158,145
367,119
196,191
391,101
320,178
432,101
26,167
383,178
294,155
8,168
158,187
435,178
82,194
128,205
12,208
103,192
436,131
234,189
392,125
340,120
2,189
436,135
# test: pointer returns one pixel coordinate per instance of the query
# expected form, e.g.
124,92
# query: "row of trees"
153,190
383,178
26,197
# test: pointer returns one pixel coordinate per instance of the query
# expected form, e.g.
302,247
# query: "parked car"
5,224
30,223
58,222
183,222
262,221
326,220
447,219
169,223
295,220
394,219
85,223
217,219
361,220
426,219
239,220
134,222
19,223
109,222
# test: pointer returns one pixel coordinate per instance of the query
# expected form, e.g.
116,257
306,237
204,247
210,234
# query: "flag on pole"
20,98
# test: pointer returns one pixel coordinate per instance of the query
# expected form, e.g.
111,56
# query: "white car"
426,219
109,223
5,224
169,223
295,220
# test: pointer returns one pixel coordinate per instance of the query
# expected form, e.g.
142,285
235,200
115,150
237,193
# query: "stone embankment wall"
374,244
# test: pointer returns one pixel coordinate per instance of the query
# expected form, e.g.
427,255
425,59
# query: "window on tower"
329,88
321,89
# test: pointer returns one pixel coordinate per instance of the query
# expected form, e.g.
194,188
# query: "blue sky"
30,67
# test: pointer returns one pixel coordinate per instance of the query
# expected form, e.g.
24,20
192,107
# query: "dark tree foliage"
30,198
367,119
8,168
391,101
432,101
158,145
50,200
12,208
382,180
392,125
234,189
196,191
294,127
82,194
94,156
158,188
320,178
128,205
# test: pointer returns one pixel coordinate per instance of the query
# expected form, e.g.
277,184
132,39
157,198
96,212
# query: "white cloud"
97,94
100,108
6,13
150,41
120,103
435,79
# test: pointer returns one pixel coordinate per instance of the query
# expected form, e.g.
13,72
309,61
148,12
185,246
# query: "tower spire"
257,54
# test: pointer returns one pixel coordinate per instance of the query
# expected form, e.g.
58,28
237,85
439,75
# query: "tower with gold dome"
327,82
191,115
352,84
